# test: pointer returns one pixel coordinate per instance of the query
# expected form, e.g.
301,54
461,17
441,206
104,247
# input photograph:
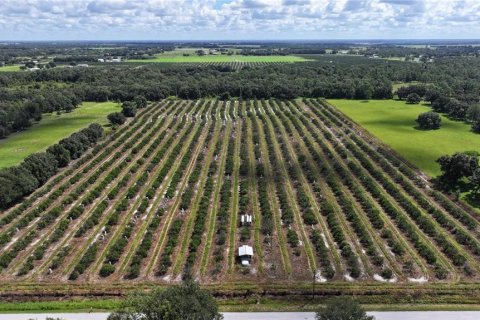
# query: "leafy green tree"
457,166
432,94
93,132
440,104
342,308
116,118
129,109
60,153
456,109
140,102
364,91
413,98
76,144
473,113
404,91
476,127
183,302
475,180
429,120
41,165
15,182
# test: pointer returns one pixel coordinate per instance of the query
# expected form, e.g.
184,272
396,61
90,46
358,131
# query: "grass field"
394,123
51,129
9,68
180,58
398,85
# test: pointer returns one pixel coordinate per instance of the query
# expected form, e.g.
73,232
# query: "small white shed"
245,253
246,219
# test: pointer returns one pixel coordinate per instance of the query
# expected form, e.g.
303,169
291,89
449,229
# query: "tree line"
459,107
450,84
19,108
19,181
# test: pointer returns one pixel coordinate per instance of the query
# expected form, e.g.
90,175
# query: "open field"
51,129
163,195
180,58
398,85
9,68
394,123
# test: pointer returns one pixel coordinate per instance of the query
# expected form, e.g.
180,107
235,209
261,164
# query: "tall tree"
429,120
413,98
140,102
186,301
62,156
475,180
129,109
457,166
116,118
41,165
15,182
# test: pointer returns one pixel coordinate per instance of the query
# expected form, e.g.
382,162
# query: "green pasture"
51,129
9,68
394,123
398,85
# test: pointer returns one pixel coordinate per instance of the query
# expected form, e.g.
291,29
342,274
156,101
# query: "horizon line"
243,40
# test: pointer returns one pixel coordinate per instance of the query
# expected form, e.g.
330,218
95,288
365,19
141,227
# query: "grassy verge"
233,305
51,129
76,305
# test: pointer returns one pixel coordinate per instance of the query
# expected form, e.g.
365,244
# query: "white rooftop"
246,218
245,251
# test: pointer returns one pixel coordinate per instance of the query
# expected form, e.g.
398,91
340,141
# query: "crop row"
167,194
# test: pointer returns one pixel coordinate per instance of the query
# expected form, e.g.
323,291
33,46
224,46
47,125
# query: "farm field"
9,68
163,196
51,129
394,123
180,58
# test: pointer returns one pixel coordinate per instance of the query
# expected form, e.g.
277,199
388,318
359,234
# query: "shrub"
107,269
292,238
429,121
116,118
413,98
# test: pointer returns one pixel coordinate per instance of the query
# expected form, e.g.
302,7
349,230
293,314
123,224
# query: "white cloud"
247,19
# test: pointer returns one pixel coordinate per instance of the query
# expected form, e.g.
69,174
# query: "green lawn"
394,123
172,58
51,129
398,85
9,68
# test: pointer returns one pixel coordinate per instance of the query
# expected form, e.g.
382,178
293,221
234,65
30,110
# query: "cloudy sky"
237,19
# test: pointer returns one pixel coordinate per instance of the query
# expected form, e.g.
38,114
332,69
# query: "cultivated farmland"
179,58
162,196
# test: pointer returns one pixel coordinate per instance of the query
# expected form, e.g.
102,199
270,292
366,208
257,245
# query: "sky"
238,19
